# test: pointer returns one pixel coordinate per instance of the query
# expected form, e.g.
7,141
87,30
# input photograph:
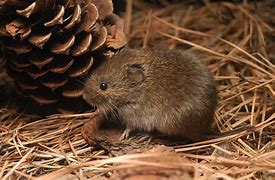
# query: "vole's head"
116,82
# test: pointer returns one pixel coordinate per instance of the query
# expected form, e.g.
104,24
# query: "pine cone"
50,46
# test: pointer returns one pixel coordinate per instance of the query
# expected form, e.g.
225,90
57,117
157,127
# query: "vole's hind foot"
126,134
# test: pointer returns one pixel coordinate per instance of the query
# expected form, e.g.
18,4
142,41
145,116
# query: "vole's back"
177,97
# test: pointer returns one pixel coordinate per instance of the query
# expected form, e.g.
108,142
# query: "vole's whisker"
102,109
113,110
106,111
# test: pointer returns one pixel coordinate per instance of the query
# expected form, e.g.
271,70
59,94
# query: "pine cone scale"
58,19
40,59
62,48
18,27
72,91
40,40
27,11
21,62
36,73
61,65
43,98
50,81
16,46
3,31
82,47
100,39
89,17
75,19
25,81
81,69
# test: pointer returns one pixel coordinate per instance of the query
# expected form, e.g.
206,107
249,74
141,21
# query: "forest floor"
238,41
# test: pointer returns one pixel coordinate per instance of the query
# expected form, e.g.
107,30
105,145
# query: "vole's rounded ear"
135,74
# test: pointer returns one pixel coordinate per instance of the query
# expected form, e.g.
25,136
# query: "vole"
168,91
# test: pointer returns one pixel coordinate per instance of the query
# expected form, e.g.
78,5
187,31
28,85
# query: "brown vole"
169,91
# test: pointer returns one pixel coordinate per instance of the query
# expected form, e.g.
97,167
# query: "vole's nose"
89,96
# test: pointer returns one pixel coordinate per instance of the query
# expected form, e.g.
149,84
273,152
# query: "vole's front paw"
139,137
126,134
144,138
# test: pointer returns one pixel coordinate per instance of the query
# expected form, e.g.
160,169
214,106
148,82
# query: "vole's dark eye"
103,86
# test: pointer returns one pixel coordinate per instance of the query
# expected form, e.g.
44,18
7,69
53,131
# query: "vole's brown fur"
170,91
